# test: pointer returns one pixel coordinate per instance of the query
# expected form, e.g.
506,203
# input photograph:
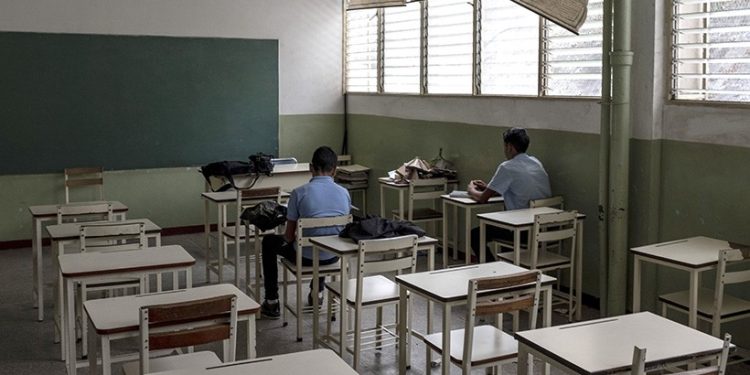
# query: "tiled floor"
26,345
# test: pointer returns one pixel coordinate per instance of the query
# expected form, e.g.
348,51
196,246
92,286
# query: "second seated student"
519,179
321,197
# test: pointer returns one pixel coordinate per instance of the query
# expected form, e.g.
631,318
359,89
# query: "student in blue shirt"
321,197
519,179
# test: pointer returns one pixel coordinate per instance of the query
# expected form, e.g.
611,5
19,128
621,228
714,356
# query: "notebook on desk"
459,194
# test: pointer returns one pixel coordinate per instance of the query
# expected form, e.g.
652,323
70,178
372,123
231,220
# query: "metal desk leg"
693,308
220,209
382,201
482,241
402,331
467,233
251,337
579,270
523,360
343,313
401,204
207,234
36,253
92,348
636,284
106,356
445,236
446,339
315,291
69,331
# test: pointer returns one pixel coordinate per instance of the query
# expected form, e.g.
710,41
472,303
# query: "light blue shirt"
520,180
321,197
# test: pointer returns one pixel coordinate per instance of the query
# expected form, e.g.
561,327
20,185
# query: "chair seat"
308,271
544,260
199,360
377,289
489,345
731,306
421,214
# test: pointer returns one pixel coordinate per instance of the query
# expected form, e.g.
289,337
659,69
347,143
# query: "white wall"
309,34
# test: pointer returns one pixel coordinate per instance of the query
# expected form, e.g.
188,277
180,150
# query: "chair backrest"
344,159
317,222
114,236
552,227
393,254
80,177
425,189
724,277
190,323
250,197
554,202
639,361
97,211
487,305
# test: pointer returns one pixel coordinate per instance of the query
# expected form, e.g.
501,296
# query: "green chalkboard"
125,102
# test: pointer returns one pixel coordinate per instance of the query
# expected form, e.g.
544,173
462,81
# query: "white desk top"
120,314
690,252
51,209
291,168
451,284
99,263
314,362
70,231
343,246
520,218
606,345
472,202
231,196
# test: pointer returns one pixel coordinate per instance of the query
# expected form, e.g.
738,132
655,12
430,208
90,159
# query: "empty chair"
639,361
370,289
82,177
305,273
185,324
237,233
556,201
105,237
716,306
84,212
550,228
425,190
486,345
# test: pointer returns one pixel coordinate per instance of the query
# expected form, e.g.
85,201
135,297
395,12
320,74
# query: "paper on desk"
569,14
459,194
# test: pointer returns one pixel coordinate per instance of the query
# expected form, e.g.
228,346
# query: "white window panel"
401,49
362,50
711,50
572,63
509,49
449,46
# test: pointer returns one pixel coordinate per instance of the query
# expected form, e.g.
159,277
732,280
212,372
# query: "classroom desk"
62,234
222,199
468,205
449,288
346,248
102,266
693,255
387,183
605,346
314,362
521,220
40,214
117,318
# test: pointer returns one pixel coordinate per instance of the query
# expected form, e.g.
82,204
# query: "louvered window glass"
362,50
449,46
401,48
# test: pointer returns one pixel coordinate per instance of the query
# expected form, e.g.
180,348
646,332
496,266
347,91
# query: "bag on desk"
265,215
219,174
372,227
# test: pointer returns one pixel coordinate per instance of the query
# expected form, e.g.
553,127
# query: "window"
711,50
510,49
362,50
572,64
449,46
473,47
401,39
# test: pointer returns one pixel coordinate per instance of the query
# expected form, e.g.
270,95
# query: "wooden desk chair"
107,237
555,202
485,345
82,177
710,302
344,159
238,233
550,228
185,324
370,289
305,273
424,190
639,361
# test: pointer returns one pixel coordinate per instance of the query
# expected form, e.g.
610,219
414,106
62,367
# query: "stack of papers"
352,176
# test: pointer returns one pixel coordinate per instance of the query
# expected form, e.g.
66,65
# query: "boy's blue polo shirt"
321,197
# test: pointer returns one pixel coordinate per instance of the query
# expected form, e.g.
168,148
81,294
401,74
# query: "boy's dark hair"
324,159
518,138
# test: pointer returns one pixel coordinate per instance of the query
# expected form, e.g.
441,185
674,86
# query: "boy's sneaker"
270,310
310,299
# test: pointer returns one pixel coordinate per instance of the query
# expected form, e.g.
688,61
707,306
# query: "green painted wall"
300,135
168,196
